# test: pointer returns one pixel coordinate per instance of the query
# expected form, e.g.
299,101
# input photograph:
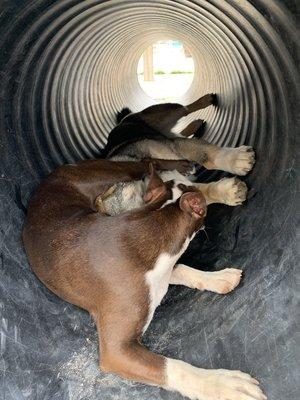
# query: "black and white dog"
150,134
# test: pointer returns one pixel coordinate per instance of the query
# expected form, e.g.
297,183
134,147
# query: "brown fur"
105,264
99,262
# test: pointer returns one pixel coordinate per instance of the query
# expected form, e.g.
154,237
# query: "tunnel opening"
66,68
166,70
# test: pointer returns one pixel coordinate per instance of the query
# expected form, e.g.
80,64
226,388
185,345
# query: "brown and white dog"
119,266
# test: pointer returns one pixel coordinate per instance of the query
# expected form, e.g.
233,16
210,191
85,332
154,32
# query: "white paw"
221,282
242,160
230,385
218,384
231,191
237,161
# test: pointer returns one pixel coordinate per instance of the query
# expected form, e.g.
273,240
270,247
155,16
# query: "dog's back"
130,129
122,114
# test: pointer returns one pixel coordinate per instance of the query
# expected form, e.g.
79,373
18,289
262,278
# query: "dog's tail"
122,114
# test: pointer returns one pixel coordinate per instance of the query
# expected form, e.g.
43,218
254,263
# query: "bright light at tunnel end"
166,70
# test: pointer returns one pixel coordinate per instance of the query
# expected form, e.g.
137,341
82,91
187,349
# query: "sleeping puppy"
151,134
119,267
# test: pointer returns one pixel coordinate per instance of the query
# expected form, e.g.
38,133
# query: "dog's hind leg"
120,312
122,353
238,160
163,117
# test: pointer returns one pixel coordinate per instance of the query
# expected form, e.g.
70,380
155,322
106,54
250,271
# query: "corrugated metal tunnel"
66,67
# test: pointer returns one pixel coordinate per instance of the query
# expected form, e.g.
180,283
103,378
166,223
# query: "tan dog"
119,267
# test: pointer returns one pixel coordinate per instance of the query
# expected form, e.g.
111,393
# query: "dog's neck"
153,233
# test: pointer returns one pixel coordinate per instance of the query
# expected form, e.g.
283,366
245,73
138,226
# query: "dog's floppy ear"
194,204
156,189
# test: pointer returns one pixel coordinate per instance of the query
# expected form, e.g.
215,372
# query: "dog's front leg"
193,128
237,161
230,191
221,282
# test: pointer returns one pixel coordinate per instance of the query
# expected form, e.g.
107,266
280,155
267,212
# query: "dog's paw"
221,282
238,160
211,384
224,384
209,99
231,191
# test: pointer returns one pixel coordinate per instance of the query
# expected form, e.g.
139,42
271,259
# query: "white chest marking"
158,279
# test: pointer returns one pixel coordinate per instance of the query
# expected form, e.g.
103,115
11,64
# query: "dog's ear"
156,189
193,203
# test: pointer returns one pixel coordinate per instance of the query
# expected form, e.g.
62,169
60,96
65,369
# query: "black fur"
129,131
122,114
200,131
215,100
133,129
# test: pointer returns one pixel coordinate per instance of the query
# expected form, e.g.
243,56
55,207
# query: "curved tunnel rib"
82,68
66,67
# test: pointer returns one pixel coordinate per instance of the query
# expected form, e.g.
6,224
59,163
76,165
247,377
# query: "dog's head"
178,192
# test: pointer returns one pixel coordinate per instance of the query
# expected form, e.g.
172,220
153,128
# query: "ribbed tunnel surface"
66,67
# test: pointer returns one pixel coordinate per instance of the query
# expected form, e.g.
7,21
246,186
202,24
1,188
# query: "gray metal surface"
66,67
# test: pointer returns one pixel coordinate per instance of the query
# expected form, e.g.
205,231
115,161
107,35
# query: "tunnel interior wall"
66,67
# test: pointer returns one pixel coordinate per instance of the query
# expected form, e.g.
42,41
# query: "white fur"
176,176
238,160
158,279
221,282
230,191
176,193
132,193
214,384
178,179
